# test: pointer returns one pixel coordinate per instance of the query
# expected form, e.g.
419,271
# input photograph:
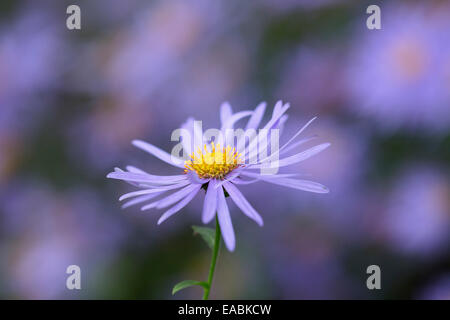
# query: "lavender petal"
225,223
297,144
141,199
304,185
158,153
153,190
225,112
210,203
146,178
229,123
180,205
242,203
177,196
256,117
296,158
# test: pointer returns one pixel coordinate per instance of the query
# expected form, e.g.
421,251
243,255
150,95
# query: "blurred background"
71,101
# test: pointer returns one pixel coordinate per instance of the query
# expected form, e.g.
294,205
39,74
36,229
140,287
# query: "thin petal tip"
137,142
231,247
324,189
206,221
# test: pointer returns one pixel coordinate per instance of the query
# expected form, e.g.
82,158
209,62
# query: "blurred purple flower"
37,270
400,75
417,219
46,231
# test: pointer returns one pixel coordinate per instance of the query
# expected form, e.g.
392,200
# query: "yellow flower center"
214,163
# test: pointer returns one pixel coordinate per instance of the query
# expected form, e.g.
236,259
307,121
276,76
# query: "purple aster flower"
220,167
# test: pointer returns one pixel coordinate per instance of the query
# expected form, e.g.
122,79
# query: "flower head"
220,166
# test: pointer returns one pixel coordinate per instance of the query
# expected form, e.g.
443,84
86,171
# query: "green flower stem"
213,261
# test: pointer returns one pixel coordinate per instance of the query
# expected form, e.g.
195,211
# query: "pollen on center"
214,162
